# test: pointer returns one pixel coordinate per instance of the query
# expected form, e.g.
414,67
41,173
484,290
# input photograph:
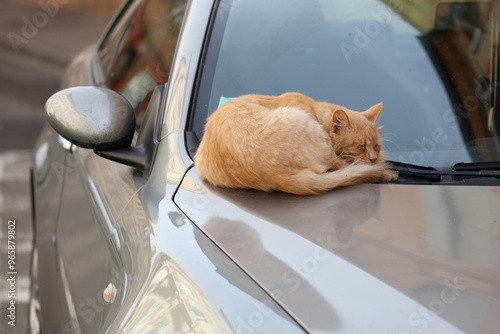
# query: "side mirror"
92,117
103,120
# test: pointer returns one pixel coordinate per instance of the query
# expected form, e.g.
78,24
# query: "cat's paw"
390,175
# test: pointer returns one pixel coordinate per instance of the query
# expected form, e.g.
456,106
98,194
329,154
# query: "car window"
432,64
137,54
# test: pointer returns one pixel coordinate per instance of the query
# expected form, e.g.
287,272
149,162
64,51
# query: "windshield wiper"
477,166
473,169
426,172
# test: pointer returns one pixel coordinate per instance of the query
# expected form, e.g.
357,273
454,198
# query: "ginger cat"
291,143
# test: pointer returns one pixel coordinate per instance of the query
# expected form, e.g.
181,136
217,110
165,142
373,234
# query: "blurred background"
38,38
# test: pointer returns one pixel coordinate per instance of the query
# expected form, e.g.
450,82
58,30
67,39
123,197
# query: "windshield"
432,64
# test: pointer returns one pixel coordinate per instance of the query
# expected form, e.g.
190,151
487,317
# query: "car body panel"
48,172
77,291
185,67
51,154
170,266
370,258
95,192
115,226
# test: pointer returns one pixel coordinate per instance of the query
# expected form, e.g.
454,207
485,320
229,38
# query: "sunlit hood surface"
371,258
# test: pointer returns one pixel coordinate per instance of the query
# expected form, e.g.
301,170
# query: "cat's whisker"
387,138
389,134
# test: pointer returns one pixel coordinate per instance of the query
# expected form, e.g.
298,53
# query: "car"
129,239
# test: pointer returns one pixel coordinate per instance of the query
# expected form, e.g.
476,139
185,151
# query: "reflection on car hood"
370,258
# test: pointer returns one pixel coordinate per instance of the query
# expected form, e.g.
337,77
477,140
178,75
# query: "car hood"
375,258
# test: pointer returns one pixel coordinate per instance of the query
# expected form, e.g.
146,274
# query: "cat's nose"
373,160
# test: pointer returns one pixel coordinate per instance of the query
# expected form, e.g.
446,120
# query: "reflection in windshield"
463,45
432,64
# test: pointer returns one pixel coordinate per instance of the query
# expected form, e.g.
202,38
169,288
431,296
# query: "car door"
86,257
133,58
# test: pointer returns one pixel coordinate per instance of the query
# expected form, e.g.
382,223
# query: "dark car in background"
128,239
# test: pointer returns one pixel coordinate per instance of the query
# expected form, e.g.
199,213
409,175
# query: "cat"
291,143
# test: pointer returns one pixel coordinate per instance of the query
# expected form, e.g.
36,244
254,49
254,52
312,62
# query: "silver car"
130,240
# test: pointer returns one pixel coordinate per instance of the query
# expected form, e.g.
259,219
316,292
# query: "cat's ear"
339,122
373,113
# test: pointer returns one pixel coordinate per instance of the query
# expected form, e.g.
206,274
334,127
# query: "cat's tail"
307,182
